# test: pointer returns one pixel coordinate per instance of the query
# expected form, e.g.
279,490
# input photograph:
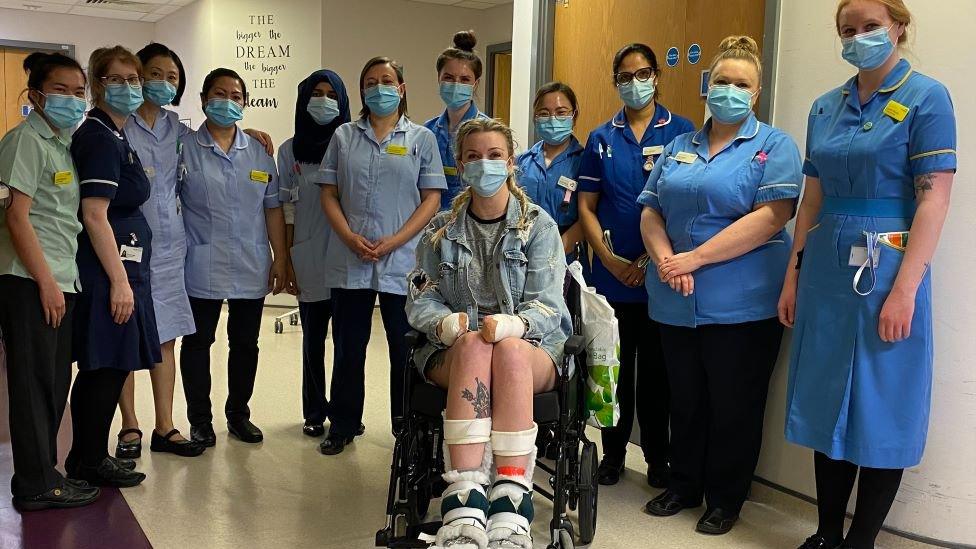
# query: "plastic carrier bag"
602,335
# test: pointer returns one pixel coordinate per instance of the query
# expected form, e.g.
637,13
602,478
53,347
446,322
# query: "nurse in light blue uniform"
881,155
458,75
715,208
381,183
618,157
231,212
322,106
549,170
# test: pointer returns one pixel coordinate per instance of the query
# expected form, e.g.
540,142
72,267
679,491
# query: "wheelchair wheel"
588,491
418,477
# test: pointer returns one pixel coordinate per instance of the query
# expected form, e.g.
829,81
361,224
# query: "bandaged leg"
510,511
499,327
464,504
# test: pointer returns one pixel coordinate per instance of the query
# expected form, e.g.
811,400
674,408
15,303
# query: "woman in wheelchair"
487,292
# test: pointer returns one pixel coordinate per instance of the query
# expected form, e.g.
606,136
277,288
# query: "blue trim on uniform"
868,207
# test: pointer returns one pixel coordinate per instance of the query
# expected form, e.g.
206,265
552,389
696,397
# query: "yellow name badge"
896,110
260,177
63,178
398,150
450,170
653,151
686,157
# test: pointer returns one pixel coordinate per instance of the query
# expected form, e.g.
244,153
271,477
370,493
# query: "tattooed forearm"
924,183
480,401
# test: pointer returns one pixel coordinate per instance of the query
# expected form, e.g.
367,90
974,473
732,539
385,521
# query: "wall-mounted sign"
674,56
694,54
705,77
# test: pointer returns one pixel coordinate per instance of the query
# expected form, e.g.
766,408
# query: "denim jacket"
529,282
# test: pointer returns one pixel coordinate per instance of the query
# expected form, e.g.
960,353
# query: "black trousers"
352,317
876,491
243,327
641,365
38,377
719,378
315,317
94,396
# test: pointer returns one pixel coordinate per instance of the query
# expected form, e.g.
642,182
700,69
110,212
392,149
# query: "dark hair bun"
465,40
34,60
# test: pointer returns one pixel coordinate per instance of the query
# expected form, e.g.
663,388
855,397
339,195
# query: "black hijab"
311,139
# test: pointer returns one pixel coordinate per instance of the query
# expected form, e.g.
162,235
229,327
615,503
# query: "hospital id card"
260,177
397,150
686,157
62,178
130,253
859,256
567,183
653,151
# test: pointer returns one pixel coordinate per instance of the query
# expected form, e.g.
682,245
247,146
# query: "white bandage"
499,327
514,444
452,327
467,431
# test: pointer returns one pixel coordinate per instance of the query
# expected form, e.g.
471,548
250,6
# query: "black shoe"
362,430
165,443
70,494
314,430
717,521
107,473
245,431
130,449
668,504
124,464
817,541
203,435
334,444
658,476
609,471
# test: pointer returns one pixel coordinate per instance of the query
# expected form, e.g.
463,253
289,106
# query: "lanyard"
868,265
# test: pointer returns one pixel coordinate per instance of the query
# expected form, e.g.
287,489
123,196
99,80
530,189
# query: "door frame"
68,49
489,89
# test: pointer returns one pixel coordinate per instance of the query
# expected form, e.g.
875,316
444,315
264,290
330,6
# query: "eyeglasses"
643,75
116,80
545,116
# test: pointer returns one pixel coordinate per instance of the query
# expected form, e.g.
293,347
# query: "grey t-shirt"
483,237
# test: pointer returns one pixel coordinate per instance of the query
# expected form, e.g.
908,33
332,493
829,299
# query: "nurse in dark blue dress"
116,326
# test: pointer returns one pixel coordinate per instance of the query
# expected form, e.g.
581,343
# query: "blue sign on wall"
674,56
694,54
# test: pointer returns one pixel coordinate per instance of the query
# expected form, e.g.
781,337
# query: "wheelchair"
564,452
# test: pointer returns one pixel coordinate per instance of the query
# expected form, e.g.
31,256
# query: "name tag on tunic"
260,177
567,183
398,150
686,157
859,256
653,151
896,110
150,171
63,178
130,253
450,170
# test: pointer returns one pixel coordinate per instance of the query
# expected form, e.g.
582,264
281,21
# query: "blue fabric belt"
869,207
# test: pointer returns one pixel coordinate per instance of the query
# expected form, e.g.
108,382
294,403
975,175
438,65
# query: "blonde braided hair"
471,127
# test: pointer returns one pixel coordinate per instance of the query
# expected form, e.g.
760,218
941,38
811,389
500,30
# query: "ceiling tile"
152,17
47,7
167,9
107,13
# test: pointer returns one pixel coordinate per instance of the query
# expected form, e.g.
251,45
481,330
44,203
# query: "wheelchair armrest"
574,346
415,339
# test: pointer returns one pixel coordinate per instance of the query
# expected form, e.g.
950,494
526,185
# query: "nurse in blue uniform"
322,107
618,157
458,75
715,208
881,156
381,184
231,212
549,170
115,332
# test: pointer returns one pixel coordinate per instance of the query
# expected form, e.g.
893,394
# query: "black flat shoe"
609,471
362,430
334,444
129,449
716,522
313,430
658,476
668,504
203,435
245,431
71,494
166,444
107,473
125,464
817,541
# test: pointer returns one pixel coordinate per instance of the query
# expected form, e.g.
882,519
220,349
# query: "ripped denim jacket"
528,283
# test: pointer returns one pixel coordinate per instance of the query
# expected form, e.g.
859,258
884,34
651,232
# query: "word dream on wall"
262,52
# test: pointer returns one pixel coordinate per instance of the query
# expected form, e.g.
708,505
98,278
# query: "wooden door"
501,103
14,96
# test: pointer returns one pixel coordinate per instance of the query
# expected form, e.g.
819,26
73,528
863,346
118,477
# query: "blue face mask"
636,94
729,104
123,98
485,177
554,130
323,109
159,92
455,94
224,112
63,111
868,51
382,99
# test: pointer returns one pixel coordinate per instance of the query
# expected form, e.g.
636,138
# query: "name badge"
450,170
686,157
130,253
859,256
260,177
567,183
150,171
653,151
896,111
398,150
63,178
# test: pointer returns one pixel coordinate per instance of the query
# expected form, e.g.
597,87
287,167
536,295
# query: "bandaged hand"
499,327
452,327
